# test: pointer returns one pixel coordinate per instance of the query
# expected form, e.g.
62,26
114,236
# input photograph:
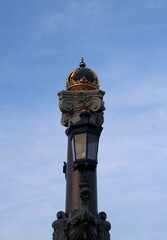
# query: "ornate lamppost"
82,109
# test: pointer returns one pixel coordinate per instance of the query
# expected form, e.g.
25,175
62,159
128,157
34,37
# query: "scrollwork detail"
72,103
95,105
67,106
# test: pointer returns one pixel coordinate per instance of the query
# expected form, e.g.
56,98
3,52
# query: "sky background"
125,43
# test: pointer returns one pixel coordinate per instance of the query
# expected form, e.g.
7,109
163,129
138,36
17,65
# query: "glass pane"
73,149
80,145
92,146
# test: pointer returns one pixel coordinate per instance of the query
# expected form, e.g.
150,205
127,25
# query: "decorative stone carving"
72,103
82,224
60,227
85,192
103,227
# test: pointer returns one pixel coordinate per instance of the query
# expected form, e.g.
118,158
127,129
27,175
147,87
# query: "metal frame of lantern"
85,139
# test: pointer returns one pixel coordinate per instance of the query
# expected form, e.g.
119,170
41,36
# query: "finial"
82,63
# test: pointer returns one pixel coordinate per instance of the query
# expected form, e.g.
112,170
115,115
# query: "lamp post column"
82,109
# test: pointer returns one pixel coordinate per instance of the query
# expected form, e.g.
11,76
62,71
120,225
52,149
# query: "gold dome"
82,78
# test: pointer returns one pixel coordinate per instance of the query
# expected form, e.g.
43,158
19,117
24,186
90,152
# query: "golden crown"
82,78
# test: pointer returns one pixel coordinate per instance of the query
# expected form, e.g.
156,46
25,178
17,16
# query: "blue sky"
125,43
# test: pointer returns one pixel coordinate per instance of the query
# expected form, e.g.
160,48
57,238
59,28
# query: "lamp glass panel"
92,146
73,149
80,145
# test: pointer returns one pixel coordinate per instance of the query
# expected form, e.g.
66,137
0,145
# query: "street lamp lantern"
84,136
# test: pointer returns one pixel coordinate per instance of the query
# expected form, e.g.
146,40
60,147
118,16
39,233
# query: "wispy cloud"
31,168
73,17
156,4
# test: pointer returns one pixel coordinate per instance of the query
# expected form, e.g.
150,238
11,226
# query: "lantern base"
85,165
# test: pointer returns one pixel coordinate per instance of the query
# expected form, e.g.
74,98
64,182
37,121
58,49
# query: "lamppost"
82,109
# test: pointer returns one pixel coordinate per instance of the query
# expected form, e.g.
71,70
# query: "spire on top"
82,63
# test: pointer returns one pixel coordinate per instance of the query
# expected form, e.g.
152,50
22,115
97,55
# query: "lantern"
84,136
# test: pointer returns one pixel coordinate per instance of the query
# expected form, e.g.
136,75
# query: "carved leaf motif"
83,226
83,231
64,119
